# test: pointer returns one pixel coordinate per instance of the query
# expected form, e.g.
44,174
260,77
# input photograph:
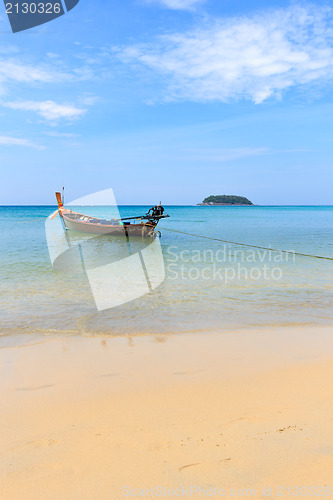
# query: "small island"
224,199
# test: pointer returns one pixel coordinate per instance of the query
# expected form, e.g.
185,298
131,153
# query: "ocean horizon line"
170,205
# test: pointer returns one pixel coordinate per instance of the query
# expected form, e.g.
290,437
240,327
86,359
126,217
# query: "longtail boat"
141,226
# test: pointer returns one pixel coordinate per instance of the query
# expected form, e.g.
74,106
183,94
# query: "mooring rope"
247,245
29,221
225,241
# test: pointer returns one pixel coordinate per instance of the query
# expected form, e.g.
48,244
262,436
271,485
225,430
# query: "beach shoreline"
118,417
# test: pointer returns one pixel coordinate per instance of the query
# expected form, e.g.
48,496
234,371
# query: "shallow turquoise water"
208,286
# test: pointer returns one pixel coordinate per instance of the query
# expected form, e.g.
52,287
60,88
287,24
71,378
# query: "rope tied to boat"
248,245
29,221
226,241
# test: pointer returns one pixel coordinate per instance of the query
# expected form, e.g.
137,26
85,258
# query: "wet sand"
156,416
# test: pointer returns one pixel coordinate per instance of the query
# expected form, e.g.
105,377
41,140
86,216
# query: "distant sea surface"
209,285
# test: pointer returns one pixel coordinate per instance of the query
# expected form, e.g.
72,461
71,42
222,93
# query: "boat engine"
156,211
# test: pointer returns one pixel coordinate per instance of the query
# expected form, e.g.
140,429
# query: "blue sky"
170,100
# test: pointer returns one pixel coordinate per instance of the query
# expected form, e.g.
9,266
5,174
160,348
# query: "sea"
209,283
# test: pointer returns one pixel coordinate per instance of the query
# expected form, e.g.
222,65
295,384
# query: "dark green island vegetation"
226,199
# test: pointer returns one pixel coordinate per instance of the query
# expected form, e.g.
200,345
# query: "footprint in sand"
43,443
290,428
33,388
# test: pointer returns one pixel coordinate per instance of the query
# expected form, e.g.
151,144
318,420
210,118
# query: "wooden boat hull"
81,223
92,226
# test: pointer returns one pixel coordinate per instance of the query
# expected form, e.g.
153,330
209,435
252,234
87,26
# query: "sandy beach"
203,415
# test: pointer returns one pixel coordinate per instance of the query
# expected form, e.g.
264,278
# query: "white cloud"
89,100
14,73
12,70
177,4
221,155
15,141
66,135
253,57
49,110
